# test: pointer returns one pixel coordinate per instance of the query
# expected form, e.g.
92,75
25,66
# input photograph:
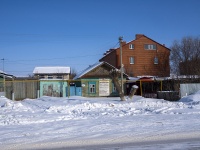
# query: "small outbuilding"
53,80
3,78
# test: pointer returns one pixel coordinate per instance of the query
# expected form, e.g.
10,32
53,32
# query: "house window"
131,46
150,46
114,89
41,76
155,60
92,87
59,77
50,77
132,61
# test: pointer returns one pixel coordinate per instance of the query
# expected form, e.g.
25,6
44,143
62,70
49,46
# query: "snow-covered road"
50,122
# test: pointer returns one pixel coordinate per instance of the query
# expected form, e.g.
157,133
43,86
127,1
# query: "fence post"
13,96
38,88
68,88
63,89
13,89
140,87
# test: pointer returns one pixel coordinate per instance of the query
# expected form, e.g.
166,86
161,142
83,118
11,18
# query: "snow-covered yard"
50,122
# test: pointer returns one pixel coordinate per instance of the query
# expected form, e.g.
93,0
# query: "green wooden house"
95,81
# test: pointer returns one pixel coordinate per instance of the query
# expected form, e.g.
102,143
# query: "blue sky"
76,33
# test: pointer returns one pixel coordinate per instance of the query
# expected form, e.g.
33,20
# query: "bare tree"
73,73
185,56
115,74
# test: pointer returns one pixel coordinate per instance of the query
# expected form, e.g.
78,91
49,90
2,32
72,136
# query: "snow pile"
194,98
76,118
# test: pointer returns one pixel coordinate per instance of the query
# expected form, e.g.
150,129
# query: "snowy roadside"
124,141
50,122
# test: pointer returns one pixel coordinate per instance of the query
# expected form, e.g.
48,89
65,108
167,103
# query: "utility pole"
120,42
4,88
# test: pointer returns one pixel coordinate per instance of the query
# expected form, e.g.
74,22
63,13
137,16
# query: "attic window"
131,46
150,46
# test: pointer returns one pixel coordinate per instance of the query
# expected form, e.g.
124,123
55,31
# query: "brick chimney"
137,36
123,43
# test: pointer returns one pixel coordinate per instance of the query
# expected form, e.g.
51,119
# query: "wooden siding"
85,88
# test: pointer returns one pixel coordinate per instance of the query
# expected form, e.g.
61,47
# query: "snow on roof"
51,70
5,74
92,67
2,72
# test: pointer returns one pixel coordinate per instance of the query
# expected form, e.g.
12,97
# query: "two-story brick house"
141,57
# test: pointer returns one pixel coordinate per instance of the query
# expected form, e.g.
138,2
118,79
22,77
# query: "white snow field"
78,122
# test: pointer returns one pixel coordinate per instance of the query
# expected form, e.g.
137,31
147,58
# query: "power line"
44,59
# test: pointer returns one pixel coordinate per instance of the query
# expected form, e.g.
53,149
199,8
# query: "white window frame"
131,46
59,77
50,76
155,60
132,60
150,46
92,88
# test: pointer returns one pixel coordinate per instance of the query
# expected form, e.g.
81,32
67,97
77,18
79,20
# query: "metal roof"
51,70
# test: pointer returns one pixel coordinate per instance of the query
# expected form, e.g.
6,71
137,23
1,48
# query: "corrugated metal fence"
189,88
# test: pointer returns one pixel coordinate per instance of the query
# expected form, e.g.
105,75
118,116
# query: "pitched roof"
90,68
51,70
2,73
140,35
156,42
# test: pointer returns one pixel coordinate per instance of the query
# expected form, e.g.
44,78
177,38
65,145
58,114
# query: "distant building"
3,77
141,57
52,72
53,80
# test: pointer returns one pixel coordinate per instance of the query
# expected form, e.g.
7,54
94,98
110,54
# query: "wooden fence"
21,89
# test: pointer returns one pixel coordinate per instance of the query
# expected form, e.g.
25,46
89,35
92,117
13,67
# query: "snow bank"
192,99
51,119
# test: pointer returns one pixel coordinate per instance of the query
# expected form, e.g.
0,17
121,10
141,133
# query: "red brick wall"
144,59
